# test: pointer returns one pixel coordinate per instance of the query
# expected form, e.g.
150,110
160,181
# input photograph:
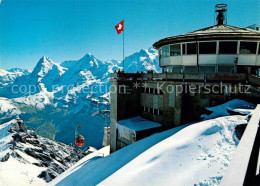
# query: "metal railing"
181,77
244,166
242,77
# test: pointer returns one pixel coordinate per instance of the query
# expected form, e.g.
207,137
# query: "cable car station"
221,57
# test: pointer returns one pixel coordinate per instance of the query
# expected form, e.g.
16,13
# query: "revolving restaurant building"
217,49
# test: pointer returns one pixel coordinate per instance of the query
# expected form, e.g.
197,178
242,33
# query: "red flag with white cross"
120,27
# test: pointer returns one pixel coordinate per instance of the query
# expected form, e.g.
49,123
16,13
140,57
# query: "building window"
165,51
247,47
183,49
160,112
259,49
177,69
207,69
191,48
258,71
158,91
175,50
207,47
155,111
228,47
160,53
190,69
226,69
144,89
168,69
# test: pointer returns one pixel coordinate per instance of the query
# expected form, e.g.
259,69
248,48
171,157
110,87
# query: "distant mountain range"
54,98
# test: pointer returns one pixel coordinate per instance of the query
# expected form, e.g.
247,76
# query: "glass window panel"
168,69
225,69
190,69
207,47
191,48
247,47
165,51
183,49
207,69
258,72
177,69
161,92
259,49
160,53
175,50
227,47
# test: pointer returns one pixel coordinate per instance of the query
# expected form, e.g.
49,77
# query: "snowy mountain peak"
143,60
114,61
44,65
88,55
3,72
9,76
45,59
87,62
152,50
148,51
142,51
18,70
91,60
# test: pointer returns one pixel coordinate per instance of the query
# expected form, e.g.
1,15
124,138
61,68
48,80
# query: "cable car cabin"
79,141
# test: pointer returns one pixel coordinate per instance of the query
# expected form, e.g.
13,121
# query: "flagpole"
124,46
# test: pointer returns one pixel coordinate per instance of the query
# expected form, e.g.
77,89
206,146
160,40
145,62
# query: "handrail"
238,167
254,79
183,77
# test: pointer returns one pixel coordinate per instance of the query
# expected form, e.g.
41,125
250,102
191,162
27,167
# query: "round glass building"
217,49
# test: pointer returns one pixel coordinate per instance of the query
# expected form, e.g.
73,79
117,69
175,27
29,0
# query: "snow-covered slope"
193,154
235,105
198,154
7,110
26,158
8,76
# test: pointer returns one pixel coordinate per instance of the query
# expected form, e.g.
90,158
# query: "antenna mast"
221,10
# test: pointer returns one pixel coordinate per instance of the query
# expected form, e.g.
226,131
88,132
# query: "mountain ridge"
54,94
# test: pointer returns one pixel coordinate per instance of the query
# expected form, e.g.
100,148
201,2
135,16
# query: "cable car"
79,139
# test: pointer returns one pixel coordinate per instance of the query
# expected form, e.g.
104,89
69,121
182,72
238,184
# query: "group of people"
148,72
119,71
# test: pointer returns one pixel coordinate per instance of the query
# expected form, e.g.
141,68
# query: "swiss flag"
120,27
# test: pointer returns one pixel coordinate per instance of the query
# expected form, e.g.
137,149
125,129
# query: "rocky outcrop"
5,158
53,156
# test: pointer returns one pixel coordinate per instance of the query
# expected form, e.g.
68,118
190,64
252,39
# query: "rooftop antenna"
221,10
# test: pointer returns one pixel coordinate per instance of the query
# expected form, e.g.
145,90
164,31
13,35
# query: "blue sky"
68,29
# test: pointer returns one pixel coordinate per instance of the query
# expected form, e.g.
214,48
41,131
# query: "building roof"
214,32
137,124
